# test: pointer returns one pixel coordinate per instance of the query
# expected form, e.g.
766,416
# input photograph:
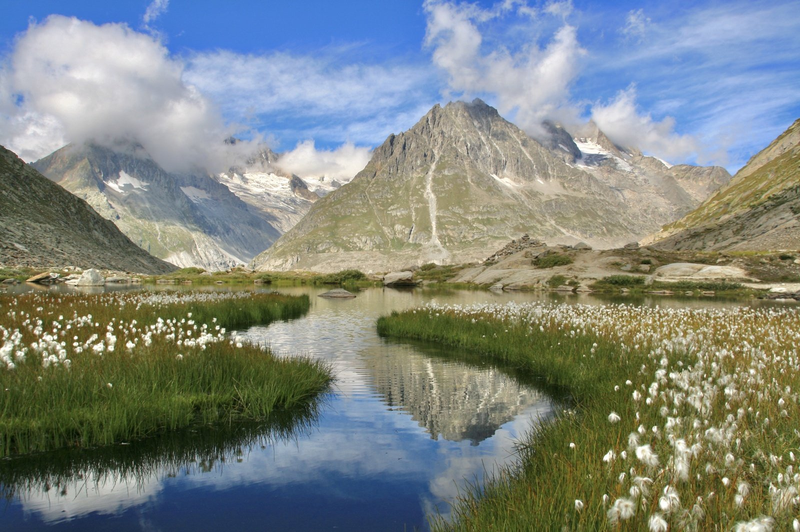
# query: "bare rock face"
42,225
463,181
759,210
91,277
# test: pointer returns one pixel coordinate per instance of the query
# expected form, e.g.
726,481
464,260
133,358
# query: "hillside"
757,211
42,225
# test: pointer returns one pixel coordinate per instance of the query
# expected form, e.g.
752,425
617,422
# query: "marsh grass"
81,371
704,433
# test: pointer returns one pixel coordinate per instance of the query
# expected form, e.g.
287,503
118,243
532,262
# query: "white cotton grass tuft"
657,523
578,505
646,455
613,417
622,510
759,524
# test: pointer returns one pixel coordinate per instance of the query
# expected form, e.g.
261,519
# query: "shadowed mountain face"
759,210
187,220
42,225
463,181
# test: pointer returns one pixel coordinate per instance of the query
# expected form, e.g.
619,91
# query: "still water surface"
403,431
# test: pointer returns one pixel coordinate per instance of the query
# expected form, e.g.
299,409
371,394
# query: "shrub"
553,260
342,277
557,280
623,280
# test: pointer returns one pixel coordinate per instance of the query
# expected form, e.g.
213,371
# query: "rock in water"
91,277
338,293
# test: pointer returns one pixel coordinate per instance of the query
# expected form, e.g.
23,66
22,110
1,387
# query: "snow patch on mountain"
126,183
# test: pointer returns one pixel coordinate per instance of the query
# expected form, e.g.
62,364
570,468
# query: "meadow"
678,419
89,370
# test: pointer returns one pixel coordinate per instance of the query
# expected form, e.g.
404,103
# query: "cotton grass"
703,402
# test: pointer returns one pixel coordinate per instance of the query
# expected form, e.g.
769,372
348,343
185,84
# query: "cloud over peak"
74,80
532,82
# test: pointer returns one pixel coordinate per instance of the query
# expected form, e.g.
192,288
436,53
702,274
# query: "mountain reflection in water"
452,400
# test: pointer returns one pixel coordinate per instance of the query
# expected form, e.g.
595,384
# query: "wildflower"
670,501
609,456
571,445
657,523
109,385
646,455
759,524
578,505
613,417
621,510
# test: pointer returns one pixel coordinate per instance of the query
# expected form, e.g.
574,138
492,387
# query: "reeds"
93,370
683,419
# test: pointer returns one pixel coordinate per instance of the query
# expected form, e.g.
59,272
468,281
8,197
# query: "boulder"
91,277
338,293
43,278
405,278
582,246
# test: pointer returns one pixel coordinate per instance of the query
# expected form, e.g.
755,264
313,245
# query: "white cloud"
635,25
71,80
622,122
342,164
325,92
155,10
532,83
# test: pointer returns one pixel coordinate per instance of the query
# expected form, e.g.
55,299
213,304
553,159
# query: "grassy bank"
93,370
682,420
241,276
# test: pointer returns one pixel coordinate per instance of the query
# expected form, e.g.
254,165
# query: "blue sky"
699,82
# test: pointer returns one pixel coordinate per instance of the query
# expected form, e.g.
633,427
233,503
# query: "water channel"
406,428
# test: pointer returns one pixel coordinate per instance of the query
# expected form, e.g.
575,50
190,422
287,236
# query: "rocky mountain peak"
463,180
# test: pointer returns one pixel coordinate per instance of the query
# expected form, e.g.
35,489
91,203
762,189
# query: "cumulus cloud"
625,125
71,80
531,82
341,164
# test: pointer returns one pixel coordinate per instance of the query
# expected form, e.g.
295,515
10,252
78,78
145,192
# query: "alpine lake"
406,429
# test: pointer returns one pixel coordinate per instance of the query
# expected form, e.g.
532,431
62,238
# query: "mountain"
757,211
282,197
42,225
186,219
463,181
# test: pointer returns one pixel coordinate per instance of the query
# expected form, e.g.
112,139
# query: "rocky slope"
759,210
42,225
187,220
282,197
464,181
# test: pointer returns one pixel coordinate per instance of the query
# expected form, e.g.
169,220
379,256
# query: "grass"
81,371
682,419
552,260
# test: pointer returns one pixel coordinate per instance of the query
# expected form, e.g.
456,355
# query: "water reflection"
63,485
451,400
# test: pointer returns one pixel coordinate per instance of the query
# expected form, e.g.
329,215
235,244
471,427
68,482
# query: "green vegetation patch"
81,371
552,260
681,419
